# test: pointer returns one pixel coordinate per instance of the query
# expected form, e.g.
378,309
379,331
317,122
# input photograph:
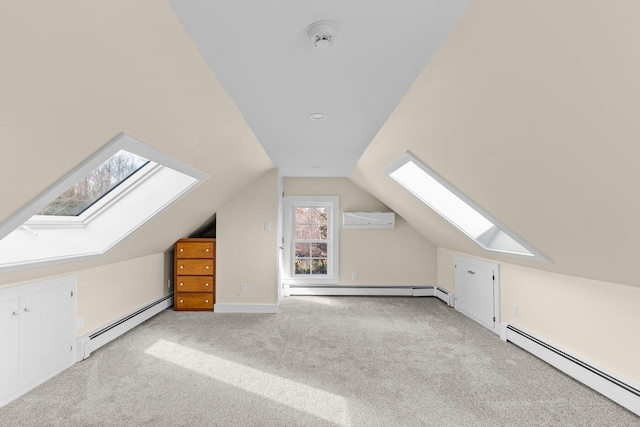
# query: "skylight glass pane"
95,185
441,199
445,199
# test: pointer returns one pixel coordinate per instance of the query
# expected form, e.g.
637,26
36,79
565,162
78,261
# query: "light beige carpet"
321,361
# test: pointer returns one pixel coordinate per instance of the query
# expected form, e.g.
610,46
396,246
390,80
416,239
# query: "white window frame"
498,231
28,240
290,203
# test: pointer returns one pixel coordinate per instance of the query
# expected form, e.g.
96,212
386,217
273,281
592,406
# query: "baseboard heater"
444,295
91,342
371,291
614,388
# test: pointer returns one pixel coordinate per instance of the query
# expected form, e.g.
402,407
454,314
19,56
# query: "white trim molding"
617,389
245,308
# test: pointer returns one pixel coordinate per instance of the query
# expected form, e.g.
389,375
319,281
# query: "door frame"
496,288
279,241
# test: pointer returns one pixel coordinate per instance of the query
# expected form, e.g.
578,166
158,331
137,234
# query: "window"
441,196
311,240
84,193
95,206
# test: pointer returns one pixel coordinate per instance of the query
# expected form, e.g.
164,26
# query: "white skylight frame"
456,207
28,240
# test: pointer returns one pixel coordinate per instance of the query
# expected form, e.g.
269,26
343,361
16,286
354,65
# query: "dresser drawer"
194,267
195,249
193,301
194,284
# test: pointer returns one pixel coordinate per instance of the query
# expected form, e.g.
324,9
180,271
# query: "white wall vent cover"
368,220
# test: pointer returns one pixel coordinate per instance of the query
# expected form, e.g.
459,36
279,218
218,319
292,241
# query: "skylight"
95,206
84,193
441,196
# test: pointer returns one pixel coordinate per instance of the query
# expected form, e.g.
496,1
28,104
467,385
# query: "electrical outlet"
354,276
243,287
514,310
80,322
267,226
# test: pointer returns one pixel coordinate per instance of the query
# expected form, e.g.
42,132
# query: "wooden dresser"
195,278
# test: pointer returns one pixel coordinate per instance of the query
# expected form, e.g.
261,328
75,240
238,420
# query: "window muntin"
98,183
441,196
311,240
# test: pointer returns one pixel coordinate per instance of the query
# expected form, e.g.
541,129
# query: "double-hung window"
311,240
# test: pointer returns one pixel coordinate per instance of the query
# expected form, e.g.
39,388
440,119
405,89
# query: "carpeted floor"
321,361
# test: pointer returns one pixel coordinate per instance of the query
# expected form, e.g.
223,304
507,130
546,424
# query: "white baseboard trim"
245,308
617,389
91,342
371,291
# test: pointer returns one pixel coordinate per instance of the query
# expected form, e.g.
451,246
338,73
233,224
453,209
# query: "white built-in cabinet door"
9,337
474,295
37,334
45,343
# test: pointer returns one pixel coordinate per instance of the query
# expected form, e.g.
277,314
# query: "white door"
9,351
47,333
476,293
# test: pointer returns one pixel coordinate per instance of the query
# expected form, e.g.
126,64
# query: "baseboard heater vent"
614,388
91,342
444,295
372,291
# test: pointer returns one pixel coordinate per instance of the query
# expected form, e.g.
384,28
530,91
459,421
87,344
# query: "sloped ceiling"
262,54
531,109
75,74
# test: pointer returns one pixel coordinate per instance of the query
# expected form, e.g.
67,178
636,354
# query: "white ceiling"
261,53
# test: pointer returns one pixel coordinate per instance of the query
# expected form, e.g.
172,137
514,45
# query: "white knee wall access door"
37,334
477,291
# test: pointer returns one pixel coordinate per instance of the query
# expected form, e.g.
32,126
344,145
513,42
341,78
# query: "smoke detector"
322,34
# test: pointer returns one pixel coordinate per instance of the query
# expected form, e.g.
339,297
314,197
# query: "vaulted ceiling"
263,56
528,107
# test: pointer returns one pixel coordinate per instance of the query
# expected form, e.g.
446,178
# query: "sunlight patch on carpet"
301,397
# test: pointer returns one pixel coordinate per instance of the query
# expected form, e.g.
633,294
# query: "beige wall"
134,69
246,253
592,320
112,291
380,257
528,108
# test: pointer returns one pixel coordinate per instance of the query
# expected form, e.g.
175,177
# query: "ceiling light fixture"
322,34
317,116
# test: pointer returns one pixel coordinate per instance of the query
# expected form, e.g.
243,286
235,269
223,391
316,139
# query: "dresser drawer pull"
206,284
181,250
181,300
181,284
181,267
206,300
207,249
207,267
16,313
